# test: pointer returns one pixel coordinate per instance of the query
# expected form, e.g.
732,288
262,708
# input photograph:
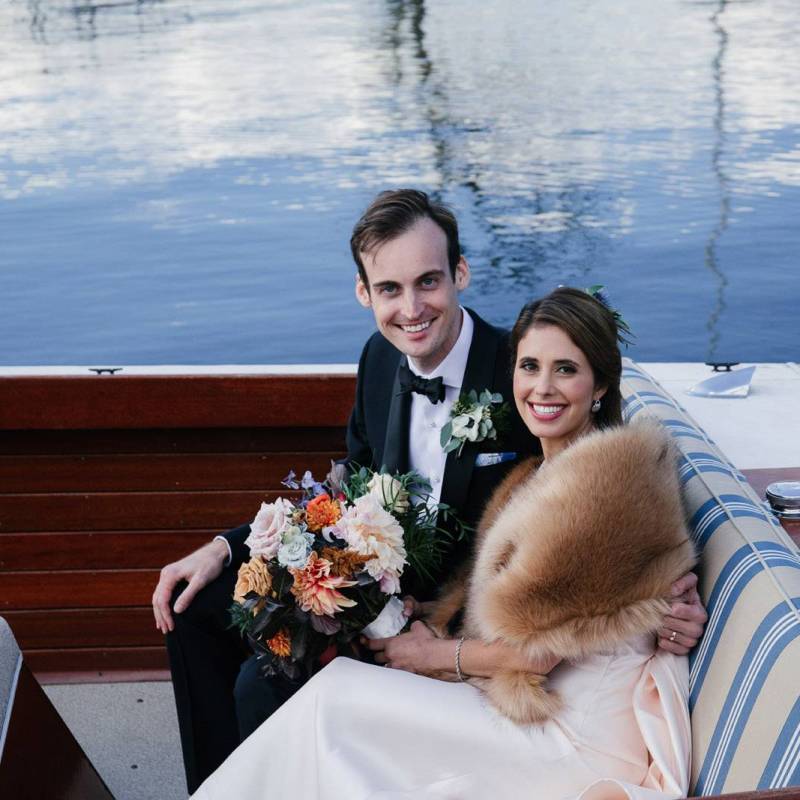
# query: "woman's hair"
592,328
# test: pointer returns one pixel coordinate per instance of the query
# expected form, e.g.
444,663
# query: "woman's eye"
566,369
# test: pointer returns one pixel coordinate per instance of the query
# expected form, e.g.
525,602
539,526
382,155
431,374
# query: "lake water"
178,180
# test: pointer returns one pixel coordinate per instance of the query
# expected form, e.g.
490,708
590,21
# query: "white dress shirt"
425,453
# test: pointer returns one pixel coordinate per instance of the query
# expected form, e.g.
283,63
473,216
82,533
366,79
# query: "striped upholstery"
745,673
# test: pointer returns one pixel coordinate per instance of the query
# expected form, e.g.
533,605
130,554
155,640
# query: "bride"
552,686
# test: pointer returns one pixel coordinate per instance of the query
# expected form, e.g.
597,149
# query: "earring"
596,406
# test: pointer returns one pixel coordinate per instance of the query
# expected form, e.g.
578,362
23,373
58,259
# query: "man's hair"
592,328
391,214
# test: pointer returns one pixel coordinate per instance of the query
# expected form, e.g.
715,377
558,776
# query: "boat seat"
39,757
744,699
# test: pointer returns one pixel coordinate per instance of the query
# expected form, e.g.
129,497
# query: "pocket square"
490,459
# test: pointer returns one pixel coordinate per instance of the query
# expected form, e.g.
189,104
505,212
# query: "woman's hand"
417,651
683,626
412,608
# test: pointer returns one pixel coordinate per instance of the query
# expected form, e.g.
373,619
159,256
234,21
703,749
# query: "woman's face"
553,387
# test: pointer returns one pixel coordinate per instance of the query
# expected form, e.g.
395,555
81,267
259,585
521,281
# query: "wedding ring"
674,634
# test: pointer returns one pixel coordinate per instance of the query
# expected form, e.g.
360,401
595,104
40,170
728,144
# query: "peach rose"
253,577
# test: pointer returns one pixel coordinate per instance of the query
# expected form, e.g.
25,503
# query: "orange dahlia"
344,563
322,511
317,590
280,643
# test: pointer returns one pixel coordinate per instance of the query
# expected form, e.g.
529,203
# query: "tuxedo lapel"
478,375
395,446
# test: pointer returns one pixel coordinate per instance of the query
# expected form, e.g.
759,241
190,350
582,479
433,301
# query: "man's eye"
429,283
388,289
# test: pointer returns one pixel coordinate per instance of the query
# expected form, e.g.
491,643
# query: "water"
178,180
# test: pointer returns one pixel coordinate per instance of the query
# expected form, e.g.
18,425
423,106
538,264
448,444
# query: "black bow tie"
432,388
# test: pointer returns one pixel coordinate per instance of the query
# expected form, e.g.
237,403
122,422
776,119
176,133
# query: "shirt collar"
454,363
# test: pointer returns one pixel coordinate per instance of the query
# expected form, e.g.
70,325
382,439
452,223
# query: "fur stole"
574,558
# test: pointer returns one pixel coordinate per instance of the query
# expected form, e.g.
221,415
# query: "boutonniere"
474,418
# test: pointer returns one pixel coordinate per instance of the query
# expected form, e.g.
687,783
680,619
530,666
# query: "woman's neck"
552,446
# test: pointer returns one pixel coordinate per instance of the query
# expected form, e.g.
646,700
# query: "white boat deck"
759,431
129,730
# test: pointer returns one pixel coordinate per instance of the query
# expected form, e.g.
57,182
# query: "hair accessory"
624,332
459,673
596,406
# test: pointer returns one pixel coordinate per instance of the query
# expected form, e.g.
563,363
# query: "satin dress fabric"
360,731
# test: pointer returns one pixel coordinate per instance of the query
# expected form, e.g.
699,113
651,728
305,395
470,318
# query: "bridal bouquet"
327,567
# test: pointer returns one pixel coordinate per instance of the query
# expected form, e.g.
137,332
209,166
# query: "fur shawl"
573,558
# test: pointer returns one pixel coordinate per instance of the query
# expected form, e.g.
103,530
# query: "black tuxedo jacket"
377,435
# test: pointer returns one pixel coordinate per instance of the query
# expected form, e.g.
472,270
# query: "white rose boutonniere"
474,418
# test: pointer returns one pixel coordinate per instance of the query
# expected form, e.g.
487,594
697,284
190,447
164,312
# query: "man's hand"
410,651
683,626
198,568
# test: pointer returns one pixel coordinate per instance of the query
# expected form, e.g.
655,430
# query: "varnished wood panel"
88,589
792,793
129,511
180,440
155,472
98,660
84,628
41,758
73,550
759,479
159,401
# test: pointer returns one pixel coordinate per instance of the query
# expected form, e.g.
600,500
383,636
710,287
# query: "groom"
426,352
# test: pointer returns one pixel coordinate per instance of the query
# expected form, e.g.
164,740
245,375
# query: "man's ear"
362,293
463,274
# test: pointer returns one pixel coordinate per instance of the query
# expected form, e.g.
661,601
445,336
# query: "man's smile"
417,327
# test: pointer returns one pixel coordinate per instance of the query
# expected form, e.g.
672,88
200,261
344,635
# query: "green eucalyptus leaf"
452,445
446,431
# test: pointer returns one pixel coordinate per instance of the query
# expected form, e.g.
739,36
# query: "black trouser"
220,697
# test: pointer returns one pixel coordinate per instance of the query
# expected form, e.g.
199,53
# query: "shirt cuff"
228,545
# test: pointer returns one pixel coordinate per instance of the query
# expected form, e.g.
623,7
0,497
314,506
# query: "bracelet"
459,673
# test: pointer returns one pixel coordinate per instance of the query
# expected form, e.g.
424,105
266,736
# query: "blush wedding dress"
358,731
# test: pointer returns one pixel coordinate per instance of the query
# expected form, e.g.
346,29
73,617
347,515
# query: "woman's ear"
599,392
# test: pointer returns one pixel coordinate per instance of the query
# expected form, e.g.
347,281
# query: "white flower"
371,530
389,492
295,547
267,527
465,426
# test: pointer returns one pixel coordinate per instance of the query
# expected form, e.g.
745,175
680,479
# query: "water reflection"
711,258
184,157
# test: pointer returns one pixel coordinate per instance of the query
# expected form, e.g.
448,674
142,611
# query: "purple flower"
309,484
289,481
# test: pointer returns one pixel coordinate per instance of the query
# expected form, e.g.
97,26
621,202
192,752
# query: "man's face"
413,295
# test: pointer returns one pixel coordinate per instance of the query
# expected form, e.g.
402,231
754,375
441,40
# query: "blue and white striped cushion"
744,673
